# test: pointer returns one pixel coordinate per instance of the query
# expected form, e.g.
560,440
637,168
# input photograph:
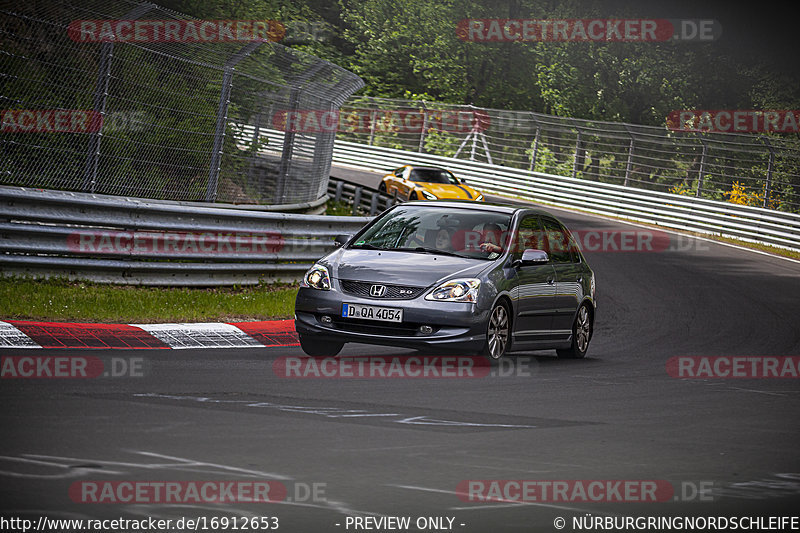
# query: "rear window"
432,175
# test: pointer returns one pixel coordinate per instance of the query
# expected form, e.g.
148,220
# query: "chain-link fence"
87,107
759,170
128,98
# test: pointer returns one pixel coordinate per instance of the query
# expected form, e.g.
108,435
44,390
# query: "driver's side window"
528,236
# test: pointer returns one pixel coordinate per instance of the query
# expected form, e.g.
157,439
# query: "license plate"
372,312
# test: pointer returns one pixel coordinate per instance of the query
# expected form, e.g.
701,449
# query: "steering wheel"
414,242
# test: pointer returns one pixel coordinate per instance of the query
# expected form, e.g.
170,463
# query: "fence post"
373,115
424,127
222,117
288,148
702,166
474,144
100,96
630,158
577,151
768,184
535,151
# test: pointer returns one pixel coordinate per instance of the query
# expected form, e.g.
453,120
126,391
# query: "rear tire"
317,348
413,196
581,333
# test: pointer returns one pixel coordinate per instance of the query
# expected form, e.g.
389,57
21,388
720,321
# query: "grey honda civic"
451,276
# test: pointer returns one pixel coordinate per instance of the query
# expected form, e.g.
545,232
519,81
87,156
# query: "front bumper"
456,326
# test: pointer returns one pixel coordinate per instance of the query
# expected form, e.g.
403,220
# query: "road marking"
11,337
205,335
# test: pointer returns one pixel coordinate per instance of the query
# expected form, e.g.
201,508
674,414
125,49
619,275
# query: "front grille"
393,292
404,329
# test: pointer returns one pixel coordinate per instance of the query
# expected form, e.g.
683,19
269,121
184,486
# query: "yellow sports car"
427,183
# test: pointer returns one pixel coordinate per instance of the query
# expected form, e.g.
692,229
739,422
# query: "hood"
446,190
402,268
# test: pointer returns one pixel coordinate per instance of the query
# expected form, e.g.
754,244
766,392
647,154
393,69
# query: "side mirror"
532,257
341,240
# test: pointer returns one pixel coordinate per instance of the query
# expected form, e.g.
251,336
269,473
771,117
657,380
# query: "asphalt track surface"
401,447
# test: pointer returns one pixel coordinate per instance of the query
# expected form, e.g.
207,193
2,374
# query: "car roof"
481,206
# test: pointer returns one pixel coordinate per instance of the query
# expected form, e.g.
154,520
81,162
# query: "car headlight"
317,278
428,195
479,198
456,290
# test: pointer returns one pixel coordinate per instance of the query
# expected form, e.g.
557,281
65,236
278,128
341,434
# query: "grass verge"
69,301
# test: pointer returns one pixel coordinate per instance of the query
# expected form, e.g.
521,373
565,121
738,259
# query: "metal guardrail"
751,224
365,200
759,169
116,239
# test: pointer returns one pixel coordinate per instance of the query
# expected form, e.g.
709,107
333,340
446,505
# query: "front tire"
382,188
317,348
581,334
498,332
413,196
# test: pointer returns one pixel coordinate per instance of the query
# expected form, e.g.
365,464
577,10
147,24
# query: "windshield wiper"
425,250
365,246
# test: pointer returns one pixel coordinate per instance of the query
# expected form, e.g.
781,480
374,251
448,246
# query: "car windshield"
455,231
432,175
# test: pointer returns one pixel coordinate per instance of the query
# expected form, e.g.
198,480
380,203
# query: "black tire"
581,334
413,196
498,332
320,348
382,188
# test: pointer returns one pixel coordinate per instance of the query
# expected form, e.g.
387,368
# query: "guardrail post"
357,199
768,183
702,166
373,204
222,117
339,190
100,97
